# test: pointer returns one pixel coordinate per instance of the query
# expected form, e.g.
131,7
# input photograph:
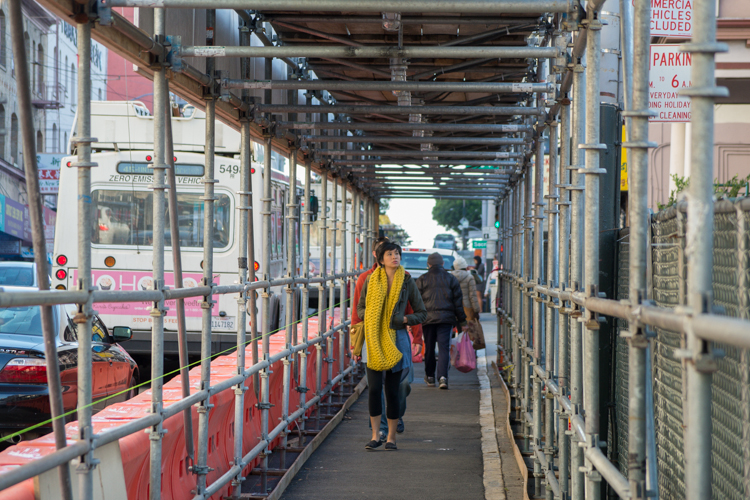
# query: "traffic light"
497,224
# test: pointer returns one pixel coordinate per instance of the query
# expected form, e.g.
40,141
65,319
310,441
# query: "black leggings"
375,388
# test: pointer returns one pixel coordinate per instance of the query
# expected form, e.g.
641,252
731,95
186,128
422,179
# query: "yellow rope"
382,352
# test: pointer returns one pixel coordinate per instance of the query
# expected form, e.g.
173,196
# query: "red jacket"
416,330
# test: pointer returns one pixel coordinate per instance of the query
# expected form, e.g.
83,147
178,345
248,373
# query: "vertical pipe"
306,223
84,317
291,325
332,291
576,267
538,307
343,292
242,302
563,280
266,312
699,245
591,246
251,303
177,266
527,306
552,262
208,257
161,99
322,289
39,243
638,110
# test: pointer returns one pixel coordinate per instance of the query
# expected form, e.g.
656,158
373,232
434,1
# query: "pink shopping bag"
466,358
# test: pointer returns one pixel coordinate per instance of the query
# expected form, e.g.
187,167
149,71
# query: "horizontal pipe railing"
390,86
399,110
443,6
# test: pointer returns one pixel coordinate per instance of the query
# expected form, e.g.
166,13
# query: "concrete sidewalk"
439,454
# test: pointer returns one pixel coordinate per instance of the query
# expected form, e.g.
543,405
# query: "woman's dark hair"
477,259
378,242
386,247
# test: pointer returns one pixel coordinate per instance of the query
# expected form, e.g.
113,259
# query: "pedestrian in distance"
387,349
471,303
443,299
481,278
407,377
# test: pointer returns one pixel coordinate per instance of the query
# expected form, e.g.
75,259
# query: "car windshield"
21,321
17,276
418,260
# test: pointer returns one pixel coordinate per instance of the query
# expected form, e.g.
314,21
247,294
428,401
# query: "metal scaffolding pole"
389,86
161,100
357,155
373,51
537,328
527,306
483,7
374,139
305,299
322,288
418,162
699,244
84,317
592,149
174,231
332,289
389,127
401,110
343,344
551,312
576,269
563,280
245,209
201,468
638,145
39,243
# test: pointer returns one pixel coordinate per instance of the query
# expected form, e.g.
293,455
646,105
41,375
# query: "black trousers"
375,388
440,334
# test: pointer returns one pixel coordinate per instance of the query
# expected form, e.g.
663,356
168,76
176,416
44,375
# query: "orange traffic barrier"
177,480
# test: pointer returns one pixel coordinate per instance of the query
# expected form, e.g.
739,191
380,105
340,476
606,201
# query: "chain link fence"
730,408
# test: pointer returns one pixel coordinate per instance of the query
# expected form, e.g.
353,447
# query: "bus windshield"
125,218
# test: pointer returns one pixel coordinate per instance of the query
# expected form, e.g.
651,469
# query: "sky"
415,216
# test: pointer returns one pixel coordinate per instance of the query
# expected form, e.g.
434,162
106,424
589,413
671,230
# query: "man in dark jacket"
443,300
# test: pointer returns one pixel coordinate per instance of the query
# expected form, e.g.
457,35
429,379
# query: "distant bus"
445,241
122,235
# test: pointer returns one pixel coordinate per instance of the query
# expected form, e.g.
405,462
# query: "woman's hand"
405,320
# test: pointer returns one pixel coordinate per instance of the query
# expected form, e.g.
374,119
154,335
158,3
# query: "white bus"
123,224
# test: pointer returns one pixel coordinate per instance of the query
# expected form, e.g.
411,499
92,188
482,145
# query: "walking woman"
387,349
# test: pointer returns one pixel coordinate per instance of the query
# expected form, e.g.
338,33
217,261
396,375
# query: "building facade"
52,54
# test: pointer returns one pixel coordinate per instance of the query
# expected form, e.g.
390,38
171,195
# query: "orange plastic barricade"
177,481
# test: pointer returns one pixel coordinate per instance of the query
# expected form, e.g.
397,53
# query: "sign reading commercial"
672,18
49,172
669,73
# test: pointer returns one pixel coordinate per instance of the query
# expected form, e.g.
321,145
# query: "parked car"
24,394
17,273
414,260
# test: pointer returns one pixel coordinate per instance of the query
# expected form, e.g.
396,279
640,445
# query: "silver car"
414,260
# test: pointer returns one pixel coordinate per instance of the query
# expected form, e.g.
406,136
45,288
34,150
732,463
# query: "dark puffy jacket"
442,297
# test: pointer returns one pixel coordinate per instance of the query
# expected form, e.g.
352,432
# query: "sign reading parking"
672,18
669,73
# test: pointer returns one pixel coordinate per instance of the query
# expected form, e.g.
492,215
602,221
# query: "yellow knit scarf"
382,352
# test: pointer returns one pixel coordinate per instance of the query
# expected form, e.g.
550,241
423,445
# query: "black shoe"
443,383
400,427
430,381
373,444
390,447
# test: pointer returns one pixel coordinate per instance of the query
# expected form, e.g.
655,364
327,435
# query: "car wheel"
132,389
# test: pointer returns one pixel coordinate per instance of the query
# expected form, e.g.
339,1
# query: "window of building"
65,143
40,70
3,42
73,82
100,94
2,136
39,142
55,139
13,138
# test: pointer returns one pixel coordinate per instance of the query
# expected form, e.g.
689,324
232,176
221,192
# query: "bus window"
126,218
